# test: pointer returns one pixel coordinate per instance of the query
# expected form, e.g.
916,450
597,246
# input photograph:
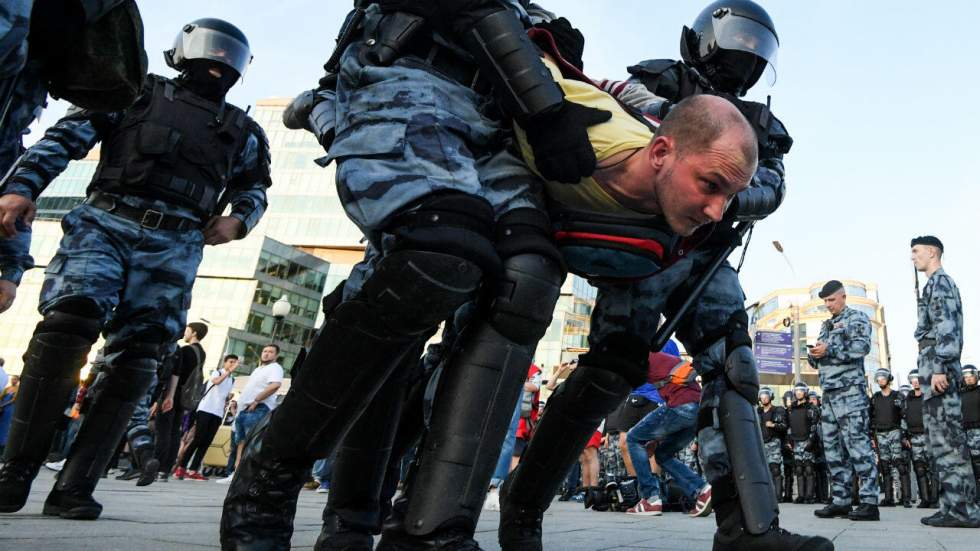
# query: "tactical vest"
913,414
800,421
774,415
888,416
970,397
173,145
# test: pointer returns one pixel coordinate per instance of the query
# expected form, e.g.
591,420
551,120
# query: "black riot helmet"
732,42
210,39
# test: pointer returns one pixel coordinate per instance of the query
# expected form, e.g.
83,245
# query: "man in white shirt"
210,411
258,398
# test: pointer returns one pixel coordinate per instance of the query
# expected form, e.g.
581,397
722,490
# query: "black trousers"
168,437
207,426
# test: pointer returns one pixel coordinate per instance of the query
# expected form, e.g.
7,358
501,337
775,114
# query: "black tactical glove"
569,40
560,141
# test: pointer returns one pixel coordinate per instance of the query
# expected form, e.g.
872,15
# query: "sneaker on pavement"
948,521
322,488
492,503
644,508
702,504
226,480
194,475
180,473
55,466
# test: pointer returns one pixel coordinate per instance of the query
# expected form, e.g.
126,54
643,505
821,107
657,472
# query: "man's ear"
660,148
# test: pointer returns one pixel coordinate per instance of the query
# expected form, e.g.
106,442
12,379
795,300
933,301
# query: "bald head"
703,122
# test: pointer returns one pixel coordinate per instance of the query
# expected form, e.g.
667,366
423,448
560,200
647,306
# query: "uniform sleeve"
779,420
71,138
15,257
246,191
944,307
824,337
857,343
15,22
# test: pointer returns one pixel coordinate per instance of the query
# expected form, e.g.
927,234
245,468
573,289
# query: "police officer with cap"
838,355
939,333
170,165
772,422
886,422
88,52
922,463
970,395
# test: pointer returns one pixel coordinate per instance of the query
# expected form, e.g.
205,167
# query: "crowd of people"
482,166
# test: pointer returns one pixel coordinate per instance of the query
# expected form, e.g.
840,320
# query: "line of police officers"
896,424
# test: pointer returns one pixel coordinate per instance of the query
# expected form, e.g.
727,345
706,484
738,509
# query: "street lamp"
794,319
279,310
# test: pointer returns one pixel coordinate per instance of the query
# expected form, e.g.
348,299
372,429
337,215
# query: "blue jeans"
673,429
248,419
322,469
507,450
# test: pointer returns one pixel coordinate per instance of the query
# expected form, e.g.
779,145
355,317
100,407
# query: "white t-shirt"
213,401
257,381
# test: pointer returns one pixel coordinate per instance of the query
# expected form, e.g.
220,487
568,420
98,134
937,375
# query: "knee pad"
449,223
623,354
147,344
735,332
129,381
412,291
525,299
79,317
921,468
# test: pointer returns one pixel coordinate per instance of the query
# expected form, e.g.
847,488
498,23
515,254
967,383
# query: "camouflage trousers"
139,278
405,132
774,452
947,443
801,453
636,308
847,447
890,446
920,448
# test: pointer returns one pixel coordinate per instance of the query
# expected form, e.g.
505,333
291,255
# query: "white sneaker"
55,466
492,503
226,480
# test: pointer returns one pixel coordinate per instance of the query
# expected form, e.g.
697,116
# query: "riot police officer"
886,422
169,166
820,461
788,460
772,422
802,431
59,45
970,395
922,463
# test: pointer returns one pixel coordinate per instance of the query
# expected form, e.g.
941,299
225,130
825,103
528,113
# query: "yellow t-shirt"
620,133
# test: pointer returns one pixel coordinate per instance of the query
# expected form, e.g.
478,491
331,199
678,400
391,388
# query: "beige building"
782,309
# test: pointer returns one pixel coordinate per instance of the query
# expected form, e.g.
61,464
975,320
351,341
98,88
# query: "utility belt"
884,429
605,246
146,218
971,424
924,343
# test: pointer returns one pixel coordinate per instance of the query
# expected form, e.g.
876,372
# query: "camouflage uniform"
844,415
940,336
774,452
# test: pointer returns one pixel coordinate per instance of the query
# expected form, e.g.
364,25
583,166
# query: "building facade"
783,309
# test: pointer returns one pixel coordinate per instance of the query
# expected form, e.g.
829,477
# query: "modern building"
783,309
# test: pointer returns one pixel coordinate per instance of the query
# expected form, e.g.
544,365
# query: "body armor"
801,421
913,414
970,396
776,415
887,411
174,146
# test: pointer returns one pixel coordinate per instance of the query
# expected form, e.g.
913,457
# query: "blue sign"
774,352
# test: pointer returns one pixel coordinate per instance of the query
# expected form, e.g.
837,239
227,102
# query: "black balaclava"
198,78
733,71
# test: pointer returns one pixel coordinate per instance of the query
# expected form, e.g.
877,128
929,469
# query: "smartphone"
809,346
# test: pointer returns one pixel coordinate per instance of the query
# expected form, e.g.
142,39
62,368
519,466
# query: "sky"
880,98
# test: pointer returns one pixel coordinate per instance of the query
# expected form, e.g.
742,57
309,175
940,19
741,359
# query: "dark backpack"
193,390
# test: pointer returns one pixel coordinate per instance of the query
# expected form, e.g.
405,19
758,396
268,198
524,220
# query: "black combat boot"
51,366
831,511
787,496
337,535
865,511
101,431
733,536
801,489
906,488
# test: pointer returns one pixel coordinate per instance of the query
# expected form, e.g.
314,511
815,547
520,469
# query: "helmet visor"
204,43
739,33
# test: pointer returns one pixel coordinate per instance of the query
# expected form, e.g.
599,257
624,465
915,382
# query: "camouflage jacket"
848,339
941,320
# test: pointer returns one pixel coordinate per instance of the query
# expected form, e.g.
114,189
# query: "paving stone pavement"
183,515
